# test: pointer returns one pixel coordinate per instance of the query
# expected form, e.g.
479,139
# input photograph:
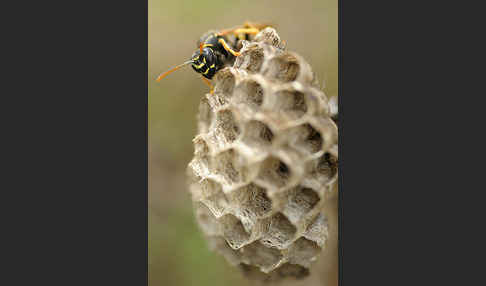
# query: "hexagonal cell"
292,270
226,129
269,36
208,223
200,162
327,167
209,188
305,138
317,230
303,252
258,254
284,68
251,58
313,141
204,116
252,199
274,173
299,202
229,166
289,103
233,231
224,82
327,129
213,197
280,232
249,93
257,135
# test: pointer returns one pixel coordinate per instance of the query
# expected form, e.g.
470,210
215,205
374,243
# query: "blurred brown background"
178,254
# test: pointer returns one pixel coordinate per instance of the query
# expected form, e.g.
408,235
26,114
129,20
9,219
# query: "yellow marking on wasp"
212,66
196,58
246,31
204,60
226,47
199,66
206,72
207,45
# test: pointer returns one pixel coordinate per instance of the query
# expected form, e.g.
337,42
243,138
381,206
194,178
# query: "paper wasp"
216,50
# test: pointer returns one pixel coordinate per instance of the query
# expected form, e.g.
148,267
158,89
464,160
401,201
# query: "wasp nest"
265,162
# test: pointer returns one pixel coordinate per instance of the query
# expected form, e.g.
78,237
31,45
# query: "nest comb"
265,162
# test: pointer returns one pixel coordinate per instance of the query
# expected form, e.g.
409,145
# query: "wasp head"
204,62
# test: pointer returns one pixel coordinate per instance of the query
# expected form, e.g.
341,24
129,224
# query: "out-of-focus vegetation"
178,254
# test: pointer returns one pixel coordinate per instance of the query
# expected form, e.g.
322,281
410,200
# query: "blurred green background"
178,254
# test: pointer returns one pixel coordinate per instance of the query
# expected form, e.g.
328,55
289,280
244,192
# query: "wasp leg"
253,31
238,31
228,48
228,31
259,26
248,27
247,24
206,81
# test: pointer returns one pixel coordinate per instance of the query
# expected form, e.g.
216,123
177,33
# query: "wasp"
217,50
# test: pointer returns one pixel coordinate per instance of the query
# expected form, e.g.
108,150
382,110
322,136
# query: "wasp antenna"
201,45
173,69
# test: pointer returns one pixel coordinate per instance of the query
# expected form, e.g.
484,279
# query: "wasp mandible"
216,50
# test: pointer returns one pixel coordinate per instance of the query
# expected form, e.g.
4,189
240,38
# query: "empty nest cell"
280,232
288,103
292,270
257,135
326,128
303,252
305,138
253,200
317,230
322,172
327,167
204,116
284,68
224,83
258,254
274,173
270,37
299,201
233,231
200,162
226,164
313,139
213,197
226,129
249,93
251,58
